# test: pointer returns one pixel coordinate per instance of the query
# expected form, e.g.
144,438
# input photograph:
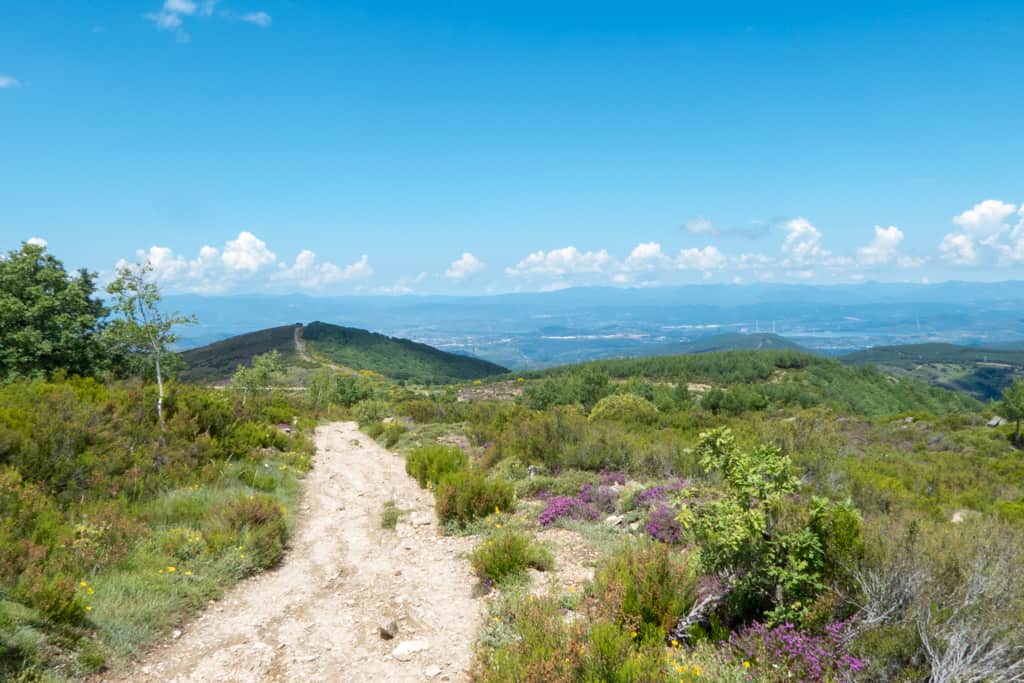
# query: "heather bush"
469,494
602,498
507,554
782,653
662,524
429,464
566,507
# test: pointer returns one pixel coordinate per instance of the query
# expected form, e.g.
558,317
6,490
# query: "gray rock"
389,631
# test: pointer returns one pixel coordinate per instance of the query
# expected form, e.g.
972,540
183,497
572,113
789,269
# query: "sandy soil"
316,617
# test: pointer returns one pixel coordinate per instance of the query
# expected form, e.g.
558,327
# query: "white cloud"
959,248
753,261
986,220
170,14
561,261
261,19
706,259
982,229
462,267
246,262
885,250
700,226
803,242
646,256
8,82
37,241
247,253
310,274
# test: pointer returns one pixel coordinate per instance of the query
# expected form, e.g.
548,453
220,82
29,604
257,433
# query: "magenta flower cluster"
565,507
806,657
603,498
612,477
655,494
663,525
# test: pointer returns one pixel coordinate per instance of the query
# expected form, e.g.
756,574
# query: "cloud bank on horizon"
989,235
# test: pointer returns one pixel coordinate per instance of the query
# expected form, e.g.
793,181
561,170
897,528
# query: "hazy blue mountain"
541,329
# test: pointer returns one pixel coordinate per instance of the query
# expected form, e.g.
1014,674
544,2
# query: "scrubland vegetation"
761,516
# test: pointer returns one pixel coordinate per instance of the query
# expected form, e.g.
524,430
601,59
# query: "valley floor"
316,617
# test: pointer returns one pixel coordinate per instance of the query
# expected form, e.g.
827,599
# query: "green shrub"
260,523
391,514
567,483
532,641
373,429
646,586
370,410
508,553
392,433
628,408
468,494
429,464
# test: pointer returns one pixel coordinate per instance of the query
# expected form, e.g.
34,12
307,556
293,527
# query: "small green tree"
1012,405
140,333
257,379
772,551
49,320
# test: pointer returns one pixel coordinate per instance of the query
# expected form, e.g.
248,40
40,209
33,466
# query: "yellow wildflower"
746,665
632,634
89,590
188,573
88,608
83,584
170,569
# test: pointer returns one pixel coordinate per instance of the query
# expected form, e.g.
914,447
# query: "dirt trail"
316,617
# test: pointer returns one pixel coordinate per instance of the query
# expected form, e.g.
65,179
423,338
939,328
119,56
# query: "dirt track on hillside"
316,616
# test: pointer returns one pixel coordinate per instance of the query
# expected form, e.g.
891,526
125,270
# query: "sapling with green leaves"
257,379
771,550
141,334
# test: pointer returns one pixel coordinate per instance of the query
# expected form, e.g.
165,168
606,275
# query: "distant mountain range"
344,348
536,330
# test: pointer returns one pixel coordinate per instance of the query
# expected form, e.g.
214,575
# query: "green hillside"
980,372
218,361
391,356
334,345
736,381
736,341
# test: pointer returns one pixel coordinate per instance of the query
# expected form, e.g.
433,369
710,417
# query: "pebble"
406,649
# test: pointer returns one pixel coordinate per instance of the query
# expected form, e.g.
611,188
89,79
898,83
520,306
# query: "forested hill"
738,381
334,345
218,361
391,356
981,372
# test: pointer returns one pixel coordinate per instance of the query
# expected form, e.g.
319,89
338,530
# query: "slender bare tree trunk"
159,394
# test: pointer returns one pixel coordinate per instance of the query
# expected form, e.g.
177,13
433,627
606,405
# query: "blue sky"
329,147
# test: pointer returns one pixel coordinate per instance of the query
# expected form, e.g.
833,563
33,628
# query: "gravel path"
316,616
